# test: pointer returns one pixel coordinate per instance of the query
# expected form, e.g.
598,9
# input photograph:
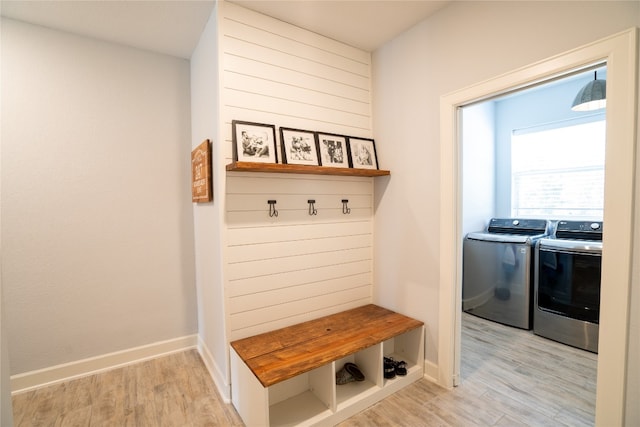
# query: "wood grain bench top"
285,353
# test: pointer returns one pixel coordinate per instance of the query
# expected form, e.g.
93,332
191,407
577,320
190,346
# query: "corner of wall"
209,217
219,377
431,372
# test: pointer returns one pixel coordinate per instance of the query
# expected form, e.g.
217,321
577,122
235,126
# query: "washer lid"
588,246
502,238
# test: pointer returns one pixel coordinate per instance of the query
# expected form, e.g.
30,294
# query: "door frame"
619,52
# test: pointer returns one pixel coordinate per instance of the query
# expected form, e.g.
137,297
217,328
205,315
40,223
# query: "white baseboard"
431,372
93,365
219,379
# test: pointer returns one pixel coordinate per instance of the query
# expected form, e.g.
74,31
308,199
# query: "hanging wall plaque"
201,185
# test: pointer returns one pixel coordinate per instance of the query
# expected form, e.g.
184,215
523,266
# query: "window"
559,172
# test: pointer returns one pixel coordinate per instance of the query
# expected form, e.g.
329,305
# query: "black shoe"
389,368
353,369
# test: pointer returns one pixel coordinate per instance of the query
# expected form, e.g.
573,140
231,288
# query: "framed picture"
362,153
333,150
201,185
298,147
254,142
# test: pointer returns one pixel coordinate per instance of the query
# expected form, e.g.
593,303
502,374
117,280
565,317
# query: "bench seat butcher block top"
285,353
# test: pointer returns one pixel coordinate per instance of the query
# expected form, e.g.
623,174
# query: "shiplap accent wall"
294,267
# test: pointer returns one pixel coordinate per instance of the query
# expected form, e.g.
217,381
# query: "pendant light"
592,96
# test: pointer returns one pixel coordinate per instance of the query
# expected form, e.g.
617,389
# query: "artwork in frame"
333,150
362,153
254,142
201,185
298,147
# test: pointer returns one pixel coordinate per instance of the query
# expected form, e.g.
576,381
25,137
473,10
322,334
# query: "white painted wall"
208,217
465,43
6,410
633,356
97,228
296,267
478,166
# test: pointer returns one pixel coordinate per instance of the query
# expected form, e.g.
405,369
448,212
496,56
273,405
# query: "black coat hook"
312,207
345,208
272,208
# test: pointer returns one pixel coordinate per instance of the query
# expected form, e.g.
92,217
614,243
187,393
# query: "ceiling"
169,27
365,24
174,27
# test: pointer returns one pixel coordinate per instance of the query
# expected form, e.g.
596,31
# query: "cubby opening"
369,362
304,399
405,347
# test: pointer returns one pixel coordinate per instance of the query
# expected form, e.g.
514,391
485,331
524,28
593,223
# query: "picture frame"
332,150
201,177
254,142
299,147
362,153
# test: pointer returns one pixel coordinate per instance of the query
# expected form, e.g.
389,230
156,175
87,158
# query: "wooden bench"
287,376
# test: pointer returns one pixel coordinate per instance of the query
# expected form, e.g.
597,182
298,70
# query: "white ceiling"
365,24
174,27
169,27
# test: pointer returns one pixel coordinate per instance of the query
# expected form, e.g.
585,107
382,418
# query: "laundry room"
517,138
533,167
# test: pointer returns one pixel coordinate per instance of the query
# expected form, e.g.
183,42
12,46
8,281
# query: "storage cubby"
302,400
368,361
407,347
288,376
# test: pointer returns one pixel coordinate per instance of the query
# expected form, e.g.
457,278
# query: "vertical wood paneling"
294,267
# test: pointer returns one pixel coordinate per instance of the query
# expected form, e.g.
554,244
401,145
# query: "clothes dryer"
567,284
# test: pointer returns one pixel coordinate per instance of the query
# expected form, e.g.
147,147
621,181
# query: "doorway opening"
527,156
619,52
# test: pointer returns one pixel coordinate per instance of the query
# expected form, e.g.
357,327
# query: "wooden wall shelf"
304,169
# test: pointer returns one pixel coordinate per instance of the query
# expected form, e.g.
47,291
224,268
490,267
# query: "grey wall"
478,166
463,44
6,411
97,230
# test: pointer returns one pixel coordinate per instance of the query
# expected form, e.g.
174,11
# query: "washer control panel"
522,226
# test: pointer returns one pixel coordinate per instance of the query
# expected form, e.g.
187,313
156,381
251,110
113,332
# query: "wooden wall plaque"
201,184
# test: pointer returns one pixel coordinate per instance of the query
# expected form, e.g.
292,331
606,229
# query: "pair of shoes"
349,373
389,368
393,368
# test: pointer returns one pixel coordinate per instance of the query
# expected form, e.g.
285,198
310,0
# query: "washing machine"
567,284
498,273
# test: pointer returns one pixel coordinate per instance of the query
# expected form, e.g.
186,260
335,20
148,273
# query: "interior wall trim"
223,385
431,372
68,371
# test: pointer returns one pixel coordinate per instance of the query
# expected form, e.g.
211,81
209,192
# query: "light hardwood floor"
510,378
175,390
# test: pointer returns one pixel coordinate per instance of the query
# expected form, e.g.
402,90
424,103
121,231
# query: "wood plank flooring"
510,378
175,390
